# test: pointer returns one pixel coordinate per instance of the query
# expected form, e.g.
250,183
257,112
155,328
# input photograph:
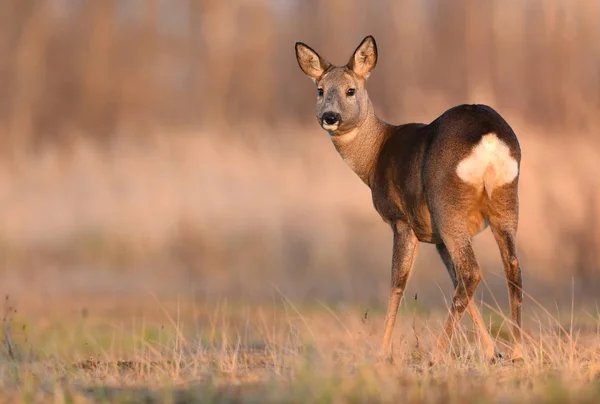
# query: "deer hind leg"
503,220
505,237
468,276
405,249
489,347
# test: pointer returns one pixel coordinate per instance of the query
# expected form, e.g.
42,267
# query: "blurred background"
170,146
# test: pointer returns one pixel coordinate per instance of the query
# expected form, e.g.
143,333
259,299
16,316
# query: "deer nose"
331,118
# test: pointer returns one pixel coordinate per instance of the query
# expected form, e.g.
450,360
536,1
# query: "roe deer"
439,183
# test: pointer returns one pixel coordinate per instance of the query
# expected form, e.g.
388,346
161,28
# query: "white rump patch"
489,153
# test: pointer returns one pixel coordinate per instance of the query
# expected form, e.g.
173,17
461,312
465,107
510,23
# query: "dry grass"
127,350
194,216
138,157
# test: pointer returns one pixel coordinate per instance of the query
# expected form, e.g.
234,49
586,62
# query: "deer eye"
350,92
320,92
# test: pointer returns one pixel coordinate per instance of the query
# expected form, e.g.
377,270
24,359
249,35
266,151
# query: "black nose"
331,118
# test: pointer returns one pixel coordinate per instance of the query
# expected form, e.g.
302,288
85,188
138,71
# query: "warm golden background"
171,146
175,224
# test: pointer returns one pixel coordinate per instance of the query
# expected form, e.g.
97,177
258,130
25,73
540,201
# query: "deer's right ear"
310,62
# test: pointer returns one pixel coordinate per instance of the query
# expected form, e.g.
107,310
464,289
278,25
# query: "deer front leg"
405,249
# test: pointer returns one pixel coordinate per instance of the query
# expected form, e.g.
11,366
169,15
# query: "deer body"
405,162
439,183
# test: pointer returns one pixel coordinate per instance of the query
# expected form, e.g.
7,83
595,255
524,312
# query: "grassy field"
89,234
84,349
176,227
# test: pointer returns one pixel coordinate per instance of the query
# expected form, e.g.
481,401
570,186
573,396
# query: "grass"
186,351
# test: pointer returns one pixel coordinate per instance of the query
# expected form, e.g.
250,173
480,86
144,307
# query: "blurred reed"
144,135
108,68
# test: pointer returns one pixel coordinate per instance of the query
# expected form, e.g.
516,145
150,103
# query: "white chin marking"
490,152
330,127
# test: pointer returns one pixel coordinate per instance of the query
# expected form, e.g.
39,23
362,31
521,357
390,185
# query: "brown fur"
412,172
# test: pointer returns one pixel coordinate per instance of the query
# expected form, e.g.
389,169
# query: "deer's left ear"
365,58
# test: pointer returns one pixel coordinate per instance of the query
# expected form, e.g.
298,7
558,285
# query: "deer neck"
360,146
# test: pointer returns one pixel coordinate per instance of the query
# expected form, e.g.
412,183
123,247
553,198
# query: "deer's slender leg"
503,219
491,351
506,243
468,276
405,249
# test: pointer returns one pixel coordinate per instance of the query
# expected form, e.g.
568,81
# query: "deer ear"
310,62
364,58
